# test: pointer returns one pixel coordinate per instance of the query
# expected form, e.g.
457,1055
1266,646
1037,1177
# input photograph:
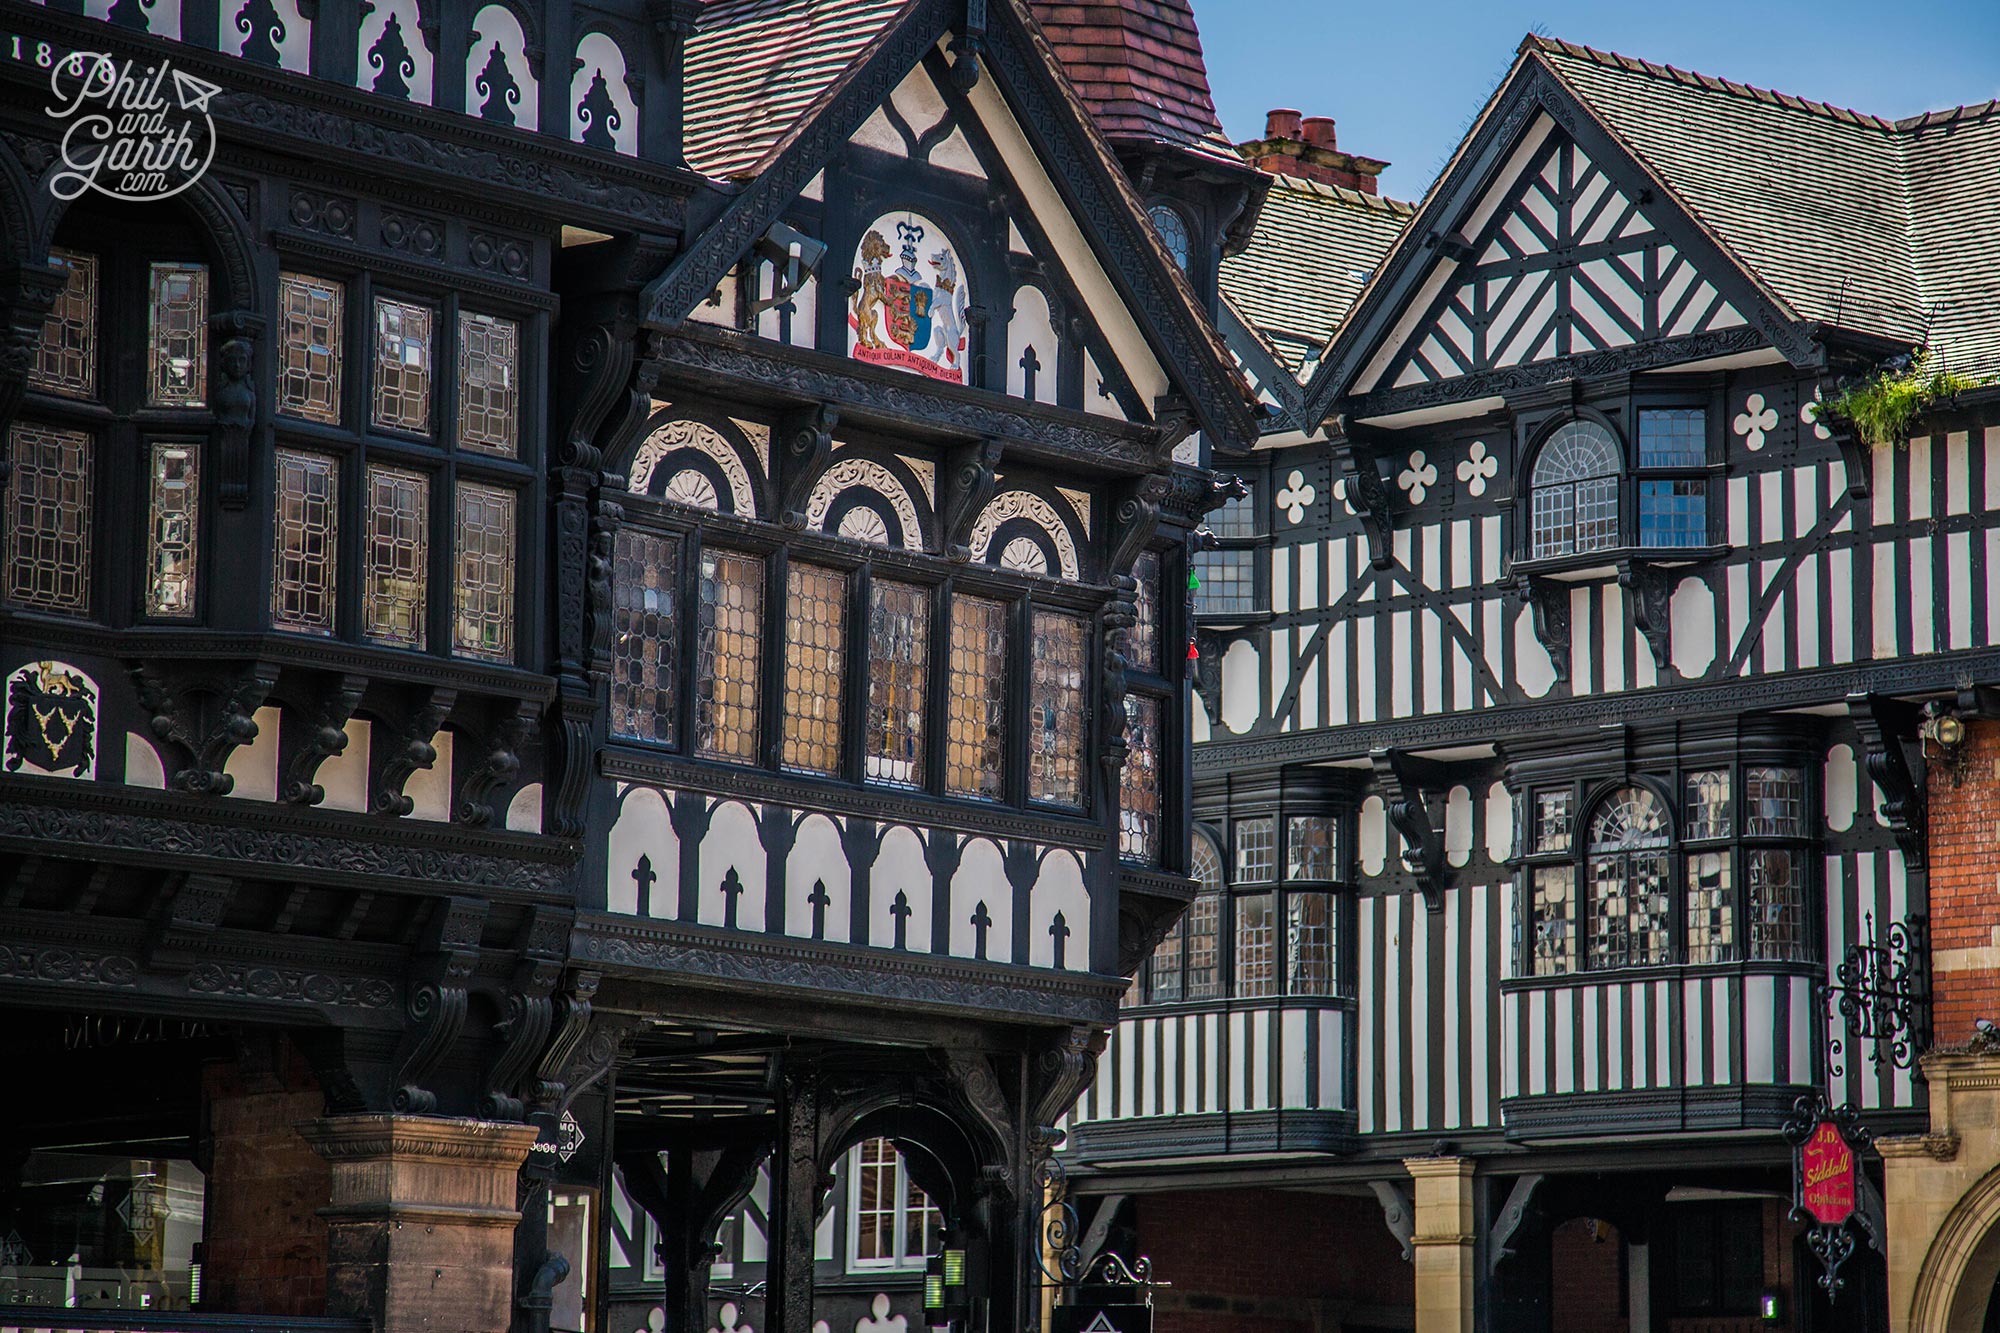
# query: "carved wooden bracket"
192,914
1649,595
442,964
498,760
309,747
805,443
1549,600
1512,1214
1174,418
403,746
1063,1069
1882,723
200,724
1403,778
968,485
1397,1214
528,1013
1358,452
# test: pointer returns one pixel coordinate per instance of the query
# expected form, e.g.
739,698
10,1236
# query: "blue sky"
1404,78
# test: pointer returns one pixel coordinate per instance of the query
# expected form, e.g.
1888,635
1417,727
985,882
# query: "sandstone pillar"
420,1231
1441,1242
1941,1197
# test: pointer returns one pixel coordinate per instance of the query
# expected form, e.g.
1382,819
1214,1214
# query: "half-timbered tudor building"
594,656
1558,721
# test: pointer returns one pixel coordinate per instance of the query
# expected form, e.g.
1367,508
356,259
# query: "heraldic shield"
51,721
910,299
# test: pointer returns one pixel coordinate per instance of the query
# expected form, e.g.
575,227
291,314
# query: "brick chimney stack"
1304,147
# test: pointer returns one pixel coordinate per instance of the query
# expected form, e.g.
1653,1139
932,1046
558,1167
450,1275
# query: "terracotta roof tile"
1138,66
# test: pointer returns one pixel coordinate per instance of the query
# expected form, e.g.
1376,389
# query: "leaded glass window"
1574,491
1776,881
815,661
1774,803
1256,945
899,647
1629,881
177,336
1309,847
1204,924
489,390
1673,437
1256,849
398,557
1711,910
1708,804
48,508
1142,641
1056,709
976,685
1309,944
66,356
403,365
1673,512
302,584
645,635
313,314
173,480
1163,979
1553,817
1226,581
1139,781
1237,516
1551,921
728,653
1173,230
483,602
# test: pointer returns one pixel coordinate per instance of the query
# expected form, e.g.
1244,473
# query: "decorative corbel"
1397,1214
1357,452
1881,724
1649,595
325,738
405,748
1549,600
1403,778
969,478
966,46
570,1019
1174,419
805,440
1512,1214
442,963
1135,516
977,1089
501,761
1062,1071
189,918
528,1012
1208,671
200,724
238,435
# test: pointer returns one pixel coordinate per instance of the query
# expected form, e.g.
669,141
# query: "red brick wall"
1586,1277
1965,886
1269,1261
264,1243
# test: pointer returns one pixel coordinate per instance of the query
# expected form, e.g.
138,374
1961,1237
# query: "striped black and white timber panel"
1281,1056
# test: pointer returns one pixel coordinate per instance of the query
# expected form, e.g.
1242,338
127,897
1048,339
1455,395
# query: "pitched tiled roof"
1314,248
1875,226
1138,66
755,68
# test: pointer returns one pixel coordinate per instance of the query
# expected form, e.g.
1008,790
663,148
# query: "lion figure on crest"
874,291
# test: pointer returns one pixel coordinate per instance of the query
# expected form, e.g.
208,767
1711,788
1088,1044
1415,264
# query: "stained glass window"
1173,231
174,504
1551,916
489,391
313,310
1309,848
1139,781
483,602
1552,821
1708,804
1777,904
1711,933
1774,803
977,688
48,509
177,336
302,584
815,666
1630,907
398,555
1056,709
899,646
1256,849
1226,582
1309,941
728,656
1574,492
645,635
1204,924
66,356
403,365
1142,641
1256,945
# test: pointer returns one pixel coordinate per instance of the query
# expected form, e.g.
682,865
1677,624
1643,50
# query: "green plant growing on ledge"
1882,407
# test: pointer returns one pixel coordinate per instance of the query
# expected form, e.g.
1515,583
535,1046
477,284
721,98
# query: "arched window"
1173,231
1630,880
1574,491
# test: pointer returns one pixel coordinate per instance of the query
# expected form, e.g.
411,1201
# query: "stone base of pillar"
1941,1197
420,1230
1441,1242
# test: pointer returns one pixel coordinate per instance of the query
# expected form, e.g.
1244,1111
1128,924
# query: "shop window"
102,1231
177,336
66,357
48,517
489,391
173,480
899,645
975,681
892,1223
645,636
403,366
728,653
1717,1257
302,583
483,596
815,666
1056,709
397,558
311,311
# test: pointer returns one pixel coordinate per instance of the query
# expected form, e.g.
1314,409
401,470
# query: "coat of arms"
905,317
51,725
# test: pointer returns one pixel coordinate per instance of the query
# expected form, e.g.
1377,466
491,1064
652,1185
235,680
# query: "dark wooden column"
796,1189
689,1191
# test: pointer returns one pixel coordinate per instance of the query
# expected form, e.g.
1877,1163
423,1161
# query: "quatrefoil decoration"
1297,496
1809,415
1477,468
1418,478
1754,420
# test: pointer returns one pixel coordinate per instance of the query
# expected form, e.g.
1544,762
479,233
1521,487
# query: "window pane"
899,649
177,341
1673,437
1173,232
403,366
1056,709
1711,926
1774,803
66,356
1139,781
1256,946
175,504
1574,491
488,383
1629,910
1554,520
48,508
483,619
875,1204
923,1225
1163,977
1777,904
1673,513
645,628
1256,849
1309,940
1552,821
1204,946
1226,582
1552,940
304,553
398,554
1708,804
728,655
1309,847
976,689
1597,514
815,666
1142,641
1631,817
1236,517
313,310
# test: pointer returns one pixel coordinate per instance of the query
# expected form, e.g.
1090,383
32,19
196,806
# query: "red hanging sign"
1826,1175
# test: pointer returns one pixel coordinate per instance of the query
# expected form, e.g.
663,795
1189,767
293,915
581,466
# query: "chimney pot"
1281,124
1318,131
